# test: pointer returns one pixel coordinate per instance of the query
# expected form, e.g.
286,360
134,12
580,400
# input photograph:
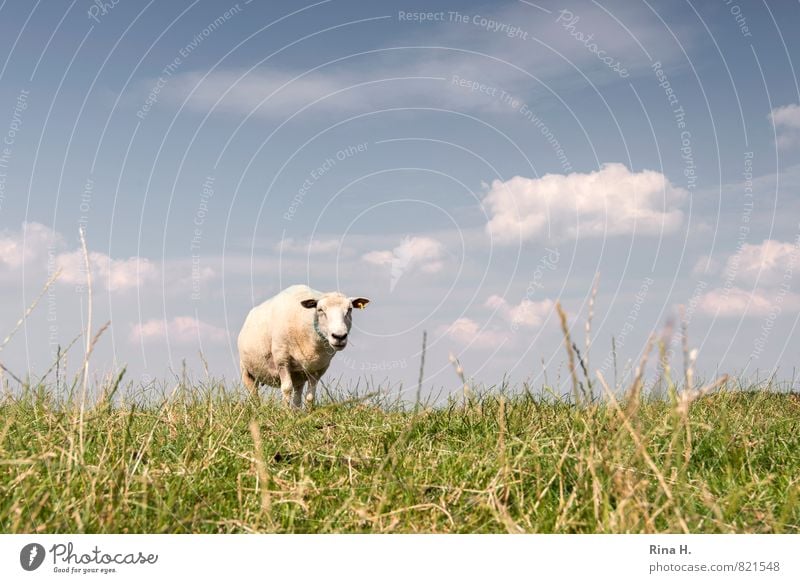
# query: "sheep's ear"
359,303
312,303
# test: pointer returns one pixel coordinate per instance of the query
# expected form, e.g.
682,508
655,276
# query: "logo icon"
31,556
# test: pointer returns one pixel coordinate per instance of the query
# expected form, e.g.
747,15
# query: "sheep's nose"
339,337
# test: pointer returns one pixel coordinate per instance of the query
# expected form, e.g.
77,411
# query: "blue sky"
464,165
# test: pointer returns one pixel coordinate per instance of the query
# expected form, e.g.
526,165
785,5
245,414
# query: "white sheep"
291,338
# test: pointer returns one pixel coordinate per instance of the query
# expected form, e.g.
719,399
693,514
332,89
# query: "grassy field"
206,459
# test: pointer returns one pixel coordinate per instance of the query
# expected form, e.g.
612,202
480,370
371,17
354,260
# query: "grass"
207,459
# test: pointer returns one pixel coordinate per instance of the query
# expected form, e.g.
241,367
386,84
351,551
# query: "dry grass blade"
205,364
89,345
590,317
637,440
261,469
27,313
467,391
11,374
689,356
635,392
421,367
570,355
62,355
96,337
664,355
686,398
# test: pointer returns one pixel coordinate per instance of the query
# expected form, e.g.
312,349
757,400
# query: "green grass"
728,461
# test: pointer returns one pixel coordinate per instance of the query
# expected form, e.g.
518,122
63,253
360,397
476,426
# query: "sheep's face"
334,313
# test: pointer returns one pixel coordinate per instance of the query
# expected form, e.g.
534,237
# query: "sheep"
291,338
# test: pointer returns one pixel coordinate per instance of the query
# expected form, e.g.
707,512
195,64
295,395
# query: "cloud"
180,329
766,262
40,248
609,201
527,313
705,265
30,243
313,247
468,332
233,91
736,302
421,254
114,275
383,78
768,266
787,123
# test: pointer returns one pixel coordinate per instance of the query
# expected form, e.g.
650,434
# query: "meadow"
202,456
207,459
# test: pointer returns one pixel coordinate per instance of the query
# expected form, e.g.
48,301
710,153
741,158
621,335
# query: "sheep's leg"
287,387
297,398
250,383
298,380
312,391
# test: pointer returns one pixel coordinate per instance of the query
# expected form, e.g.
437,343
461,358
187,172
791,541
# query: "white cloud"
381,79
468,332
114,275
527,313
769,267
736,302
423,254
609,201
180,329
283,91
787,123
705,265
41,249
30,243
313,247
766,262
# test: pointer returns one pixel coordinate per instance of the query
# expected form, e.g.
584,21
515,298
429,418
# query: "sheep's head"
334,315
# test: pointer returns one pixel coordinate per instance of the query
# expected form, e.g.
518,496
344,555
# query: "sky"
466,166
